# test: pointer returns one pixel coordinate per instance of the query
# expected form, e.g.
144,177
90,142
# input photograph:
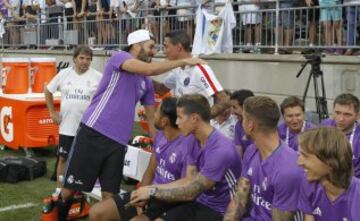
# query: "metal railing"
269,26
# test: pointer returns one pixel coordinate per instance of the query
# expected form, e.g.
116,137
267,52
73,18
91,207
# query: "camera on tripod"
316,75
315,60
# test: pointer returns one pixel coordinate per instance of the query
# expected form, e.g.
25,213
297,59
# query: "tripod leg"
323,100
307,87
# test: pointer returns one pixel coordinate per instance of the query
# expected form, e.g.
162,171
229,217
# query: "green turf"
27,191
32,191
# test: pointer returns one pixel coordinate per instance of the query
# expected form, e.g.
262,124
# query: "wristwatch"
152,192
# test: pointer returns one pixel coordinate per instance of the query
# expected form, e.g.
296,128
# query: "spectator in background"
92,22
313,20
104,25
31,9
80,8
286,24
185,19
169,12
4,5
352,18
330,17
293,111
251,20
2,26
14,19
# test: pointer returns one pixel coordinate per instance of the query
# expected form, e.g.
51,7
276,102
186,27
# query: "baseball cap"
138,36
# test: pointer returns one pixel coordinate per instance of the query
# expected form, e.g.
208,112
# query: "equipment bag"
15,169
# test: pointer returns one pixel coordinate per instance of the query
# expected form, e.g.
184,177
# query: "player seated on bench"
167,164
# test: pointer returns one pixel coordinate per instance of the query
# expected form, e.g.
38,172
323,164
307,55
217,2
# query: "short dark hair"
264,111
241,95
168,109
82,50
331,146
291,101
348,99
195,104
179,37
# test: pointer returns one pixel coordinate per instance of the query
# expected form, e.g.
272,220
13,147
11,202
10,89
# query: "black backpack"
15,169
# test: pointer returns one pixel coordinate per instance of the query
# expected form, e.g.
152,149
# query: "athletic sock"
63,208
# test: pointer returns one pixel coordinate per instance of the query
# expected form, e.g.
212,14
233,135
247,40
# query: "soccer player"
167,164
217,162
292,109
270,176
344,117
100,143
190,80
329,190
237,100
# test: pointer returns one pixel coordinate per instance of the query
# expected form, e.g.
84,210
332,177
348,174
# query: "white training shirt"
198,79
227,127
76,94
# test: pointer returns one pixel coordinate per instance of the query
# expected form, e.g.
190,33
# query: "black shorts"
93,156
193,211
314,13
65,143
153,210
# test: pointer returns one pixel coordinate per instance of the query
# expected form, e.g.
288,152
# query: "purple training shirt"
314,201
291,138
219,161
240,136
171,157
112,109
274,182
354,139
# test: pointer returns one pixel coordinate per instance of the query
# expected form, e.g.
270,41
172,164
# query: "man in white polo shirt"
190,80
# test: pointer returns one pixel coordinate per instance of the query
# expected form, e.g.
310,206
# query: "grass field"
30,191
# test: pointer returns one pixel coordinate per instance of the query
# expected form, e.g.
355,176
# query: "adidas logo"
317,211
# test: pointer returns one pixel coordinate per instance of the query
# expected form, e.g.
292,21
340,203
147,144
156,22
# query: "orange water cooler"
24,118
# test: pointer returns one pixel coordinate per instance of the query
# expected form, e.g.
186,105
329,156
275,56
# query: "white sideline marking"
14,207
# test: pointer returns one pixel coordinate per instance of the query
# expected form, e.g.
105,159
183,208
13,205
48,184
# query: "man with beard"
167,164
270,176
217,164
100,143
292,109
345,116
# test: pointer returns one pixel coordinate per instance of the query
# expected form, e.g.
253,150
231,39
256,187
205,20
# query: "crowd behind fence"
267,26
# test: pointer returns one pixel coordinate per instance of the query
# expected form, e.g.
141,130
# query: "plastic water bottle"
48,205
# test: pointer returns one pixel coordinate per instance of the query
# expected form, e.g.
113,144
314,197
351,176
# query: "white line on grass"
14,207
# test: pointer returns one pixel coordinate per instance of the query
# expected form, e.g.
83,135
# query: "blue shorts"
330,14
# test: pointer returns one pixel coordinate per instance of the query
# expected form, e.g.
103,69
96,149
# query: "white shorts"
248,14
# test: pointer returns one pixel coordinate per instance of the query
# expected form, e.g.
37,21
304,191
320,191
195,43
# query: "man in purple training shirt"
292,109
167,164
237,100
217,163
329,191
108,121
345,117
269,173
